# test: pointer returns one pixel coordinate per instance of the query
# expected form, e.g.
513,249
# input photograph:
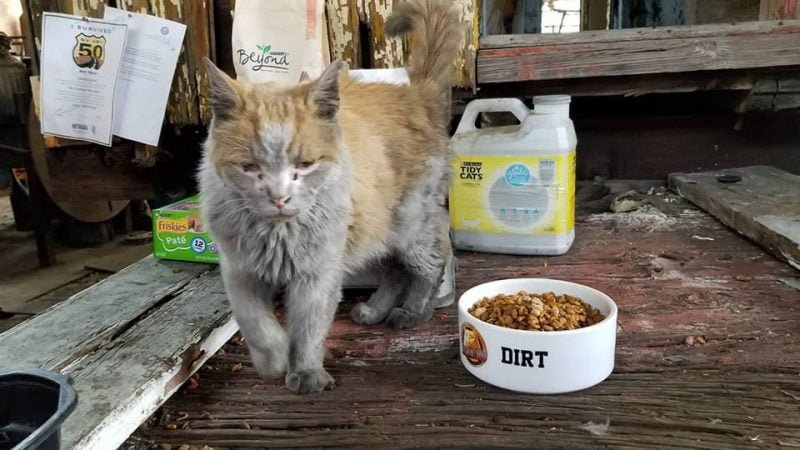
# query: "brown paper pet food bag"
279,40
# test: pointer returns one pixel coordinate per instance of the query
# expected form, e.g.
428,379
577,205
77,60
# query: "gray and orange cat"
302,185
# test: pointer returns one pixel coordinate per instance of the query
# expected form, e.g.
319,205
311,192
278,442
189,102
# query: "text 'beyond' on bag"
279,40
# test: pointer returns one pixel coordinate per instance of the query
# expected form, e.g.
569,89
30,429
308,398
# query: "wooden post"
344,35
527,17
779,10
40,216
700,12
595,14
494,16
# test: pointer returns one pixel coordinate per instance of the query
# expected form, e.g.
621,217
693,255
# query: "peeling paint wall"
346,16
188,103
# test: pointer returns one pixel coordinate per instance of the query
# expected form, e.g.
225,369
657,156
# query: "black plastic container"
33,405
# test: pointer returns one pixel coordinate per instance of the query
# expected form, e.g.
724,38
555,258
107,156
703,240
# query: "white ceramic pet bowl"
538,362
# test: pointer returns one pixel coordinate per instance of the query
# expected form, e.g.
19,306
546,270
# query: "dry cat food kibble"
545,312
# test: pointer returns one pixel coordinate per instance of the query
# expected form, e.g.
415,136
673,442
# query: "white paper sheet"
151,54
391,76
80,63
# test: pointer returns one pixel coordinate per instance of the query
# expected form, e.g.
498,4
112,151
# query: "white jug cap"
551,99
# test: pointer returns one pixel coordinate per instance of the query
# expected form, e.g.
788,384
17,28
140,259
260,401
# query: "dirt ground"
26,289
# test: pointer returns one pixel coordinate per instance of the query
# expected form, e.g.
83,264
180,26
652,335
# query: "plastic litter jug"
513,188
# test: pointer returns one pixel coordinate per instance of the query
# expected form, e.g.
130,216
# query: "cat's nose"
281,201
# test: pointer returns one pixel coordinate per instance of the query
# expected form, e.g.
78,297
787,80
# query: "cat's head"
276,145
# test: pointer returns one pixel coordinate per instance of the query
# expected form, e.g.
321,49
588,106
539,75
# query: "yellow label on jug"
533,195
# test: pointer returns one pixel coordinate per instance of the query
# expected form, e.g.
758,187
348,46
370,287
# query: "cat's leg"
417,307
424,261
394,280
311,304
251,300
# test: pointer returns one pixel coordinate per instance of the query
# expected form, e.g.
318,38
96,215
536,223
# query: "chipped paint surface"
188,100
342,31
85,8
345,16
386,52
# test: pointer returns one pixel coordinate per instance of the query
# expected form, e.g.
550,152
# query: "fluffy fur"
304,184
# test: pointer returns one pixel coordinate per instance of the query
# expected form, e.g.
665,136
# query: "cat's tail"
436,36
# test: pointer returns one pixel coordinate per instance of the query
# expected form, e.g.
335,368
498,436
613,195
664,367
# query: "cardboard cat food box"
178,233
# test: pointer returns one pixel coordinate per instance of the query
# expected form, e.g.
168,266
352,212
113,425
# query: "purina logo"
265,59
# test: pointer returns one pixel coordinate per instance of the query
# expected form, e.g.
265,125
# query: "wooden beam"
631,85
763,205
748,29
638,51
128,343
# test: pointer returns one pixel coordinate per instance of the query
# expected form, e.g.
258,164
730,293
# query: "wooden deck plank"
425,407
128,343
124,382
764,205
749,45
673,275
93,317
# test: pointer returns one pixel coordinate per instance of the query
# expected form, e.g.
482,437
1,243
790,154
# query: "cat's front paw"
271,364
308,381
401,319
363,314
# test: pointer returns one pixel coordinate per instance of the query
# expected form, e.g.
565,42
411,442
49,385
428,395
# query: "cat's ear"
325,91
224,99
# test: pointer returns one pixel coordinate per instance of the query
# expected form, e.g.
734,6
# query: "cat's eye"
250,167
305,164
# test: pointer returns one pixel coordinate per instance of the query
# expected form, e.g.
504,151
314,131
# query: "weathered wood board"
124,382
672,276
94,317
764,205
749,45
128,342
